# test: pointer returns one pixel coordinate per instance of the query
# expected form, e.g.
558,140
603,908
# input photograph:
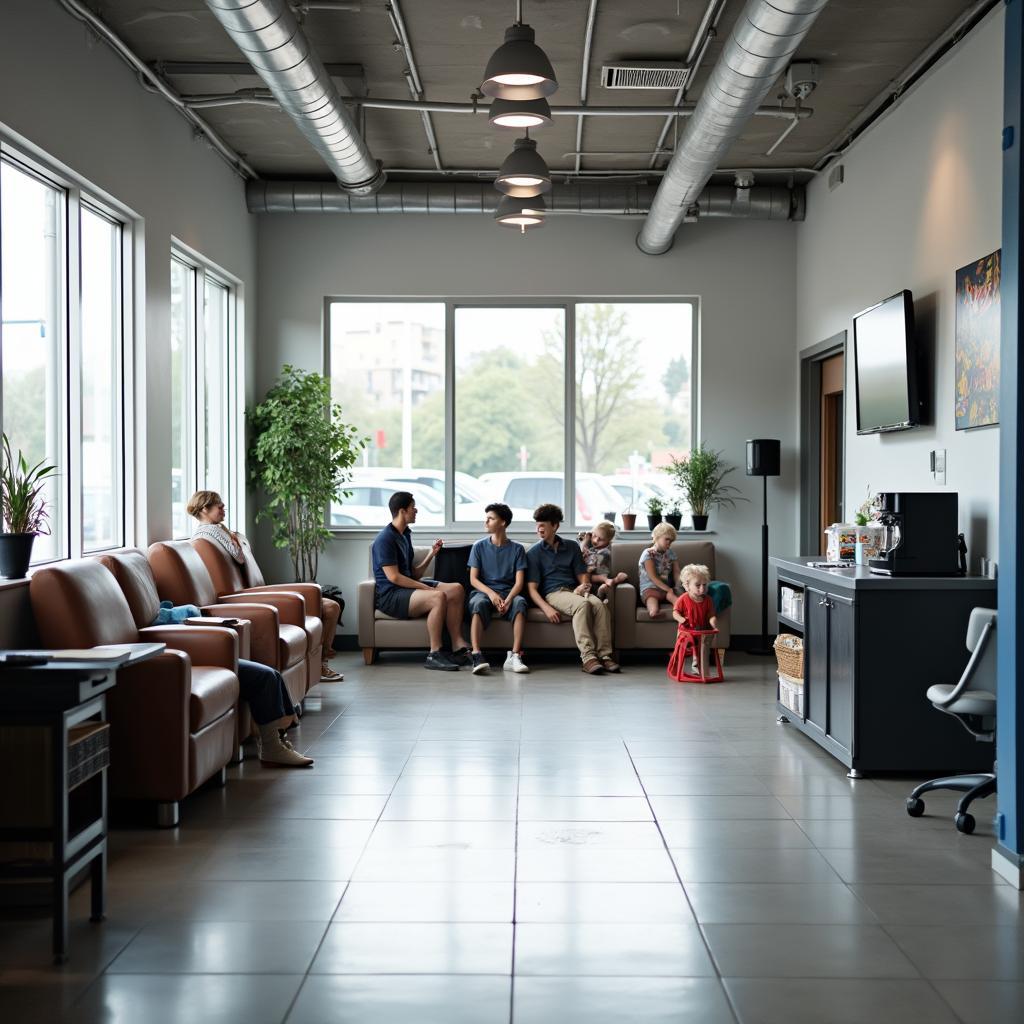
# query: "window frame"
568,303
78,195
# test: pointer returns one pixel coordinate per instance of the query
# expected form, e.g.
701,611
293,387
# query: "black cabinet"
872,647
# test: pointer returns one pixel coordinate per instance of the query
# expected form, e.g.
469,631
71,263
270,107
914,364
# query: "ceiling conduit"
757,51
769,202
270,38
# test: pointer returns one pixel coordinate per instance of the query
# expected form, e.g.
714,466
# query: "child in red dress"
694,609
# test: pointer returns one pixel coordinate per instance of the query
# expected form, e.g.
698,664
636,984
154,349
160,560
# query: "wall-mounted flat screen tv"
885,366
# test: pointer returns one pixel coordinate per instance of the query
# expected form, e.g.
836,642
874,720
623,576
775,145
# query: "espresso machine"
919,535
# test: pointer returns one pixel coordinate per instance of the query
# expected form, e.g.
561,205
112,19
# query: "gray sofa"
632,627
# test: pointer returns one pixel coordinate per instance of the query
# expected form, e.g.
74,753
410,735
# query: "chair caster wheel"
915,807
964,823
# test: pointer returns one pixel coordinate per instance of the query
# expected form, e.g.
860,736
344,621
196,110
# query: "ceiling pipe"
588,39
761,44
769,202
270,38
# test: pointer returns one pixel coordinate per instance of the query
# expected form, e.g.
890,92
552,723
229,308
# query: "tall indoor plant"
699,476
300,456
23,508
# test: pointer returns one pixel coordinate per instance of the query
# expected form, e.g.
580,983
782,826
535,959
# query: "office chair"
972,702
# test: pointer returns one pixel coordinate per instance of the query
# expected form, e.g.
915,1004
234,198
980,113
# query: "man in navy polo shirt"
558,581
403,592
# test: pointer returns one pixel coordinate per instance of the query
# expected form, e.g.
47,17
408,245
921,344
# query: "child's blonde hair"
664,530
694,571
605,527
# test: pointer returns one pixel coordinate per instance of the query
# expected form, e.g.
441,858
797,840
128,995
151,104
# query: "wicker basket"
789,653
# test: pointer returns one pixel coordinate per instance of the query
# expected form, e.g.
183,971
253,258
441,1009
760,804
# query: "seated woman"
208,509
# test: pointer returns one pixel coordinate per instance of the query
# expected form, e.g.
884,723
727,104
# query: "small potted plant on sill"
674,515
629,518
654,507
699,476
23,508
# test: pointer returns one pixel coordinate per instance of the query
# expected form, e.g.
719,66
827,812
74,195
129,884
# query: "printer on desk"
919,535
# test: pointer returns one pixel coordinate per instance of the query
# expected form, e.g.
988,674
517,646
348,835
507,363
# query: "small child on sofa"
596,545
659,570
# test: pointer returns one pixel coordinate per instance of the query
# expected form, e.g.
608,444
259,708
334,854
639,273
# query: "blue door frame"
1010,707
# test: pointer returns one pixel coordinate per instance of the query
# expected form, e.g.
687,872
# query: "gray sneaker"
480,666
439,661
514,663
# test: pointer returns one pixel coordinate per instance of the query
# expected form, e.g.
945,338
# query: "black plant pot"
700,522
653,520
674,519
15,555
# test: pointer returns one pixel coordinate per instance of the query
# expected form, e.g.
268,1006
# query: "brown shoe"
592,667
609,665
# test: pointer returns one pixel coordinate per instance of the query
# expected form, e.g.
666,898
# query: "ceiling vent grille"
643,75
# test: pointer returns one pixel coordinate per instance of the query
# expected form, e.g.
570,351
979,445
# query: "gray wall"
921,199
742,273
73,98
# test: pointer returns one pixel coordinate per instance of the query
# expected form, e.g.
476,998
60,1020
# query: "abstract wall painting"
977,343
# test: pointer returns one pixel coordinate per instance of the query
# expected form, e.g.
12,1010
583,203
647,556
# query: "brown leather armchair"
182,578
134,576
228,581
172,718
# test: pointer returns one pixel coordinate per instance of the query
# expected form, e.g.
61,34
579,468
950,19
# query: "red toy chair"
695,643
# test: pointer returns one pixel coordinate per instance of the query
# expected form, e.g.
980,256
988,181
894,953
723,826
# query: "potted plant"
674,515
654,507
23,507
301,455
699,476
629,518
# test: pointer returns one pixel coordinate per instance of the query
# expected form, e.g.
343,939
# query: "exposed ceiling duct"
761,44
769,202
270,38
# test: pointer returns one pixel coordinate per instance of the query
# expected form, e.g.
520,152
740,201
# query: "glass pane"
32,231
387,372
215,474
509,409
101,397
182,356
633,403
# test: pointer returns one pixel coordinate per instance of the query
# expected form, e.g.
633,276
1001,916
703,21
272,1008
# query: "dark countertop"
861,578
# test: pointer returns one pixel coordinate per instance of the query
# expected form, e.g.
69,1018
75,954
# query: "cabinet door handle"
823,603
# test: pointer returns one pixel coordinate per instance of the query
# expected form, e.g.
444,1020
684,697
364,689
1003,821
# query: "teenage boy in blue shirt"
497,574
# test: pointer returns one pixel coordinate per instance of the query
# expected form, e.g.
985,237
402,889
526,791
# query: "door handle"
823,603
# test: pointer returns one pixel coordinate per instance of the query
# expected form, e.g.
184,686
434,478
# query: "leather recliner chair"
172,718
182,578
228,581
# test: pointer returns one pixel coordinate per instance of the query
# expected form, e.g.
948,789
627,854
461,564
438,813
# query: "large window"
496,421
64,305
204,434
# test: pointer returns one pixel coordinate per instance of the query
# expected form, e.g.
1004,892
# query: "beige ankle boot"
275,754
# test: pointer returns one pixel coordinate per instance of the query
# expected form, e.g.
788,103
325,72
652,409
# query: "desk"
54,698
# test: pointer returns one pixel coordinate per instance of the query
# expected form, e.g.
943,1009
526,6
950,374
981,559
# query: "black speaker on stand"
764,460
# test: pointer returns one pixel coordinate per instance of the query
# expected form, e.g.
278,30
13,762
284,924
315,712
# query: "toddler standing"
597,554
659,570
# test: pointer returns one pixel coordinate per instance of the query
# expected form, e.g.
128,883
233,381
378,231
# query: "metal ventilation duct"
268,34
757,51
604,198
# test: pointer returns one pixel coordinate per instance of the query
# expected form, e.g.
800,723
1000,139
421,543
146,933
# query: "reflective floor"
542,848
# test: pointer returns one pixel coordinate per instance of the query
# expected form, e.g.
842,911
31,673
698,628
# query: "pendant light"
524,173
520,113
522,213
519,69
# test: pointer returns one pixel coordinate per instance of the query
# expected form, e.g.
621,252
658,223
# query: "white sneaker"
514,663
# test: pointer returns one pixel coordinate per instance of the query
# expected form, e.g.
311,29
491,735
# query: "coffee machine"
919,535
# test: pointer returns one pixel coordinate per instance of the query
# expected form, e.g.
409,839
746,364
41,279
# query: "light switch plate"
938,465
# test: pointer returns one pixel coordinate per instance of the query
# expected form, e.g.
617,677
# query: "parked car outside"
367,504
528,490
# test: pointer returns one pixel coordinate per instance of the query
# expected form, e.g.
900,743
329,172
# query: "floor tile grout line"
515,863
355,866
686,896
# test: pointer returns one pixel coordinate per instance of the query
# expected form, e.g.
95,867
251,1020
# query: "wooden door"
831,401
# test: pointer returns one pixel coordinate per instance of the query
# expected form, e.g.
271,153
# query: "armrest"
205,645
365,594
309,592
290,607
264,632
243,627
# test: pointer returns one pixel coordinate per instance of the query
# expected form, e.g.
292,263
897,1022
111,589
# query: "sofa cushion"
214,692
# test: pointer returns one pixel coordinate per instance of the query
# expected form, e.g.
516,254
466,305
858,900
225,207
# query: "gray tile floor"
540,848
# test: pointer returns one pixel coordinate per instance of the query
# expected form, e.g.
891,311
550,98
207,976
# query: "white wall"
743,274
921,199
74,98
